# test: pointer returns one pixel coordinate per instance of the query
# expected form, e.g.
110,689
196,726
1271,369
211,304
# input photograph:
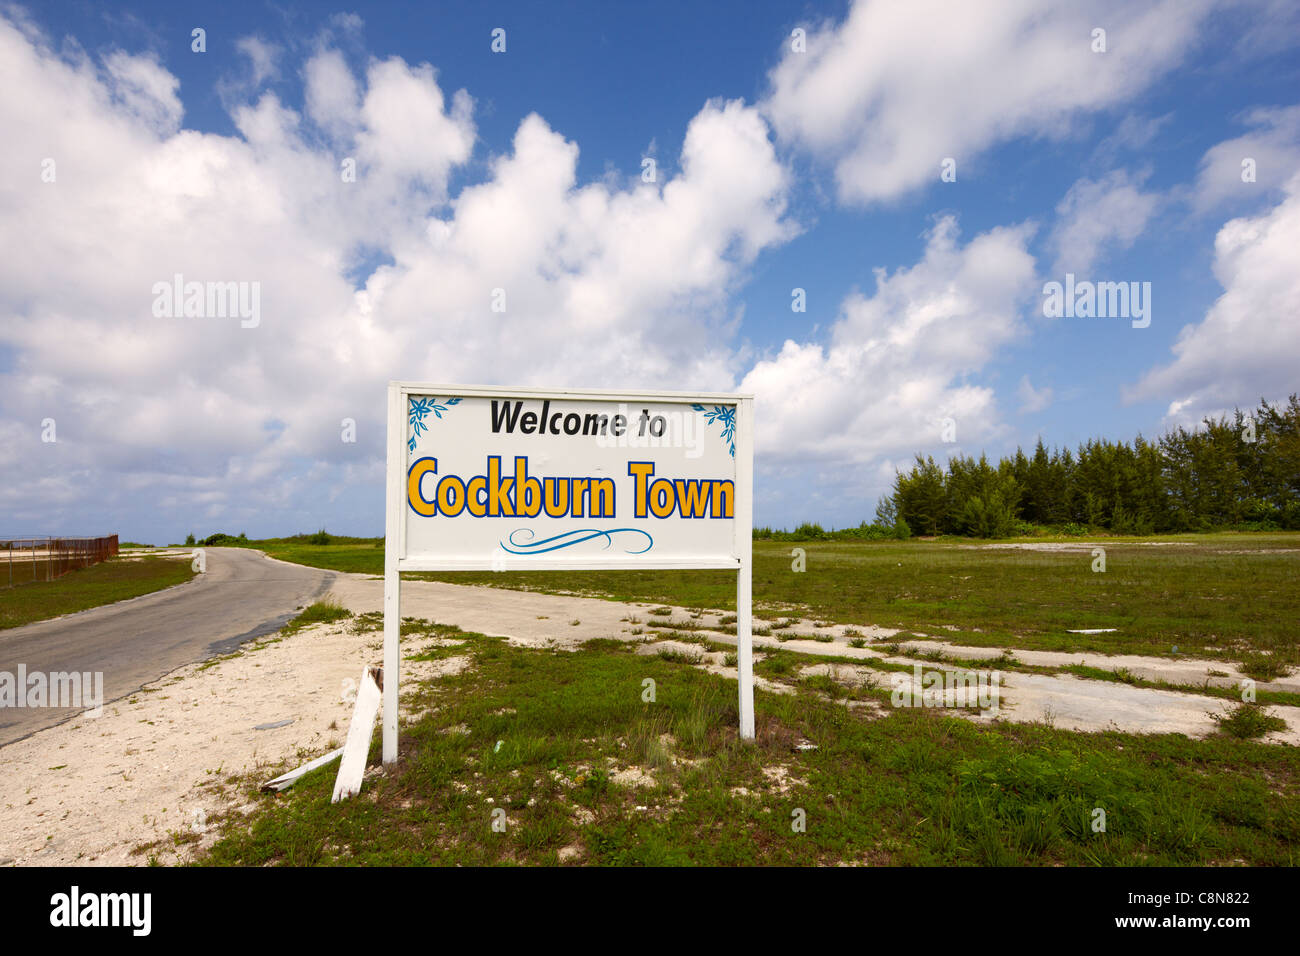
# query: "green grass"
552,733
1267,666
104,583
1196,595
322,612
1246,722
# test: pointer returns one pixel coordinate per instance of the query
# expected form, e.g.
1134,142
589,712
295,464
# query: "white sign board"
516,479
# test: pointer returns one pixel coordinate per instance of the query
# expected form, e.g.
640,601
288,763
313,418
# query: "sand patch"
633,777
161,764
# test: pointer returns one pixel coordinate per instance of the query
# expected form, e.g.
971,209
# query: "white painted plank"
473,563
287,780
353,766
503,391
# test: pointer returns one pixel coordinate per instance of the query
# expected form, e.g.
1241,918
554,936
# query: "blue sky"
777,169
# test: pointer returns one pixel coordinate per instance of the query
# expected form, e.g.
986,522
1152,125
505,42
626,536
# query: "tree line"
1235,471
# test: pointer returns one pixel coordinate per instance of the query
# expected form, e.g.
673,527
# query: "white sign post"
515,479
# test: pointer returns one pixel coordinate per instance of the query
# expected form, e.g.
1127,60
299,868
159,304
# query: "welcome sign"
513,481
520,479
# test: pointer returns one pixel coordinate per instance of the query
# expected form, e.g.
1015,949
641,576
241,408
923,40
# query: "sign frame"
396,561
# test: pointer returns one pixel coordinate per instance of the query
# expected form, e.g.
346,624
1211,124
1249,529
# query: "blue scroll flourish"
568,539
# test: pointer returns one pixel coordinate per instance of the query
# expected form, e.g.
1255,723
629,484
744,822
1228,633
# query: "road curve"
242,595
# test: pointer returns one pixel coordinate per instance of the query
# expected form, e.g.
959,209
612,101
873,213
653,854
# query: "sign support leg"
393,514
745,552
745,652
392,654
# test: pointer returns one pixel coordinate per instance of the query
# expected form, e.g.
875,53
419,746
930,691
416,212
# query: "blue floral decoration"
721,413
419,411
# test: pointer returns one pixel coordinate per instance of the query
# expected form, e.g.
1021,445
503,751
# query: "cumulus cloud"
604,285
1272,146
333,102
601,285
897,361
979,74
1098,216
145,90
407,133
262,58
1248,344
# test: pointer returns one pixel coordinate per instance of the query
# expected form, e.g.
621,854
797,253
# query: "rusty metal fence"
23,560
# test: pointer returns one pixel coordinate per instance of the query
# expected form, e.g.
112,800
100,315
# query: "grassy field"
587,771
1232,596
112,580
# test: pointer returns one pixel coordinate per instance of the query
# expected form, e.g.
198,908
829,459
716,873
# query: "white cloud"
1268,27
1273,144
1098,216
605,285
896,87
406,130
262,58
1248,344
145,90
1133,133
331,96
601,285
1032,399
897,361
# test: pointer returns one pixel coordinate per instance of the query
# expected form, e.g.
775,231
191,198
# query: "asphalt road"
242,595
